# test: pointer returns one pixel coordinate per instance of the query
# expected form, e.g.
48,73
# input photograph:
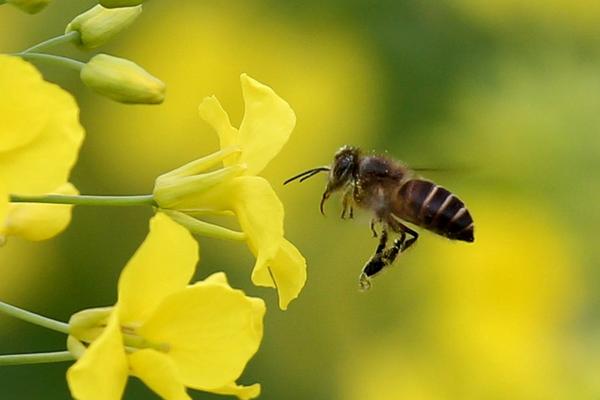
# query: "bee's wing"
427,169
455,169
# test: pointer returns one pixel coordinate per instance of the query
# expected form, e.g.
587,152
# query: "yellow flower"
40,136
191,191
164,332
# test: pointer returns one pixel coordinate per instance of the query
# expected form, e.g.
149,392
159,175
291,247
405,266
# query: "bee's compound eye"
342,167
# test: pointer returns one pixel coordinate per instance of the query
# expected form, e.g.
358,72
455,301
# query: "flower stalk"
34,318
53,59
86,200
36,358
69,37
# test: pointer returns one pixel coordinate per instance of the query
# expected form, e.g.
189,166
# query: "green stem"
35,358
83,200
34,318
58,60
72,36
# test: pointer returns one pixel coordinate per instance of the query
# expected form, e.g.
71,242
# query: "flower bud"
98,25
120,3
122,80
29,6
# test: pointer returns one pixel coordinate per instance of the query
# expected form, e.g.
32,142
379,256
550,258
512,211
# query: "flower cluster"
170,334
193,191
40,137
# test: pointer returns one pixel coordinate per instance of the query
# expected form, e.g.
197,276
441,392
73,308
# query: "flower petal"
240,391
41,162
159,373
163,264
218,278
3,211
39,221
24,112
101,373
260,214
267,124
213,113
288,269
211,330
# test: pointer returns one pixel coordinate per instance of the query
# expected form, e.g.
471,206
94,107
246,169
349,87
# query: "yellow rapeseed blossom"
167,333
40,136
193,190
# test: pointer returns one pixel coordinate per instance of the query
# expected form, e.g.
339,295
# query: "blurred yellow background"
507,91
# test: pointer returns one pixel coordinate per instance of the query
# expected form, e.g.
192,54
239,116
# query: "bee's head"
341,172
343,169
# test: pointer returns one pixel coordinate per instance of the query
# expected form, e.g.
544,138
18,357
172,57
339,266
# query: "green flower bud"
122,80
120,3
98,25
29,6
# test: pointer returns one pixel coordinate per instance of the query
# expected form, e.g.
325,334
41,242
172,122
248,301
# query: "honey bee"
393,193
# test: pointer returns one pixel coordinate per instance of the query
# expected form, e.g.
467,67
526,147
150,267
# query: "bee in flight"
393,193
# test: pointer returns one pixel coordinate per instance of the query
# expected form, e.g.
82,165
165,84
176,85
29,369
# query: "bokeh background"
503,94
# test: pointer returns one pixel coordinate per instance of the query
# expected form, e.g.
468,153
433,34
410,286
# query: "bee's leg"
382,242
410,241
352,195
382,257
389,256
375,263
402,229
373,222
347,205
398,246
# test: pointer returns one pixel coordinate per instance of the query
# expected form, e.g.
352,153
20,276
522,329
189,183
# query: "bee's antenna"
307,174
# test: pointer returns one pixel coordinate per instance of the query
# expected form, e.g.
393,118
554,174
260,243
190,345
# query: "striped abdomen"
432,207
